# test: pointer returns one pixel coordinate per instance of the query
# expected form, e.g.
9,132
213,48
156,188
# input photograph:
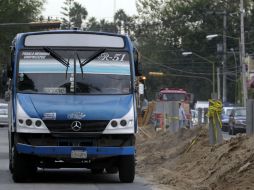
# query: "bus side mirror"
137,64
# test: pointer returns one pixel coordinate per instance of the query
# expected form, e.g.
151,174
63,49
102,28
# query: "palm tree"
74,14
77,14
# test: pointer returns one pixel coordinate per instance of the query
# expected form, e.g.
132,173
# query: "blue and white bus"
72,103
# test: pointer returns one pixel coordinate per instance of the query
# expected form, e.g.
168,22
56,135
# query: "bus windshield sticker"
116,57
34,55
49,116
76,115
50,90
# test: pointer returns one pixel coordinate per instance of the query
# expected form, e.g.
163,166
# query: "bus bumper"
68,150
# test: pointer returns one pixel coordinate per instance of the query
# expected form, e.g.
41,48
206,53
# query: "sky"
101,9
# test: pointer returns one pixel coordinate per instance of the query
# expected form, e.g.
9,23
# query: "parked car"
225,117
237,121
3,114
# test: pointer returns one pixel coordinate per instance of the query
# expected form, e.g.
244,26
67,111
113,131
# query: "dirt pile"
186,160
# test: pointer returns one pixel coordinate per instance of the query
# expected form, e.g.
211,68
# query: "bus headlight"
31,125
26,124
123,122
121,125
29,122
38,123
21,121
114,123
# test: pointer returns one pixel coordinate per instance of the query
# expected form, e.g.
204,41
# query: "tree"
20,10
168,27
100,26
74,14
93,25
122,24
122,21
77,14
66,21
15,11
107,26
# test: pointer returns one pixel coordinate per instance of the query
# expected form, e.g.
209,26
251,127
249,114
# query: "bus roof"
71,38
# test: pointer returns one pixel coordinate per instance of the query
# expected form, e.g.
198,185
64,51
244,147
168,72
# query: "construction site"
185,159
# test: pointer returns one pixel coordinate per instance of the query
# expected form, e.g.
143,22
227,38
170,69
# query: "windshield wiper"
81,68
58,58
89,59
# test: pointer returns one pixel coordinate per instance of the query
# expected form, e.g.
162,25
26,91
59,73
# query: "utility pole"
218,82
224,70
242,12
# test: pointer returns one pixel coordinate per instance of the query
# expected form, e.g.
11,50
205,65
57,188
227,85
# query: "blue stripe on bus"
66,150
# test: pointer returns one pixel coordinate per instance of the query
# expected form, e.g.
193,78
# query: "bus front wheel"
127,169
23,167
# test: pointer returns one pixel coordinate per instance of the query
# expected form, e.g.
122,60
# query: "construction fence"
164,115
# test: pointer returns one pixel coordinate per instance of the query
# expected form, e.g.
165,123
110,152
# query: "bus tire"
127,169
23,167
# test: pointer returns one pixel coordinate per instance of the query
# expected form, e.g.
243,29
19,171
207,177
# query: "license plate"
78,154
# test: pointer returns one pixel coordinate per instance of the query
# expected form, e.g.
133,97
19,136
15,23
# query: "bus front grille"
67,126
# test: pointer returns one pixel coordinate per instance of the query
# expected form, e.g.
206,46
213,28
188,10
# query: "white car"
3,114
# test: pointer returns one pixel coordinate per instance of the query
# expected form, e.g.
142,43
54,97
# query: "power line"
180,70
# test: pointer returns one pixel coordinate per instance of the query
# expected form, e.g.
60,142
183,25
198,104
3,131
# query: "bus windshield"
40,71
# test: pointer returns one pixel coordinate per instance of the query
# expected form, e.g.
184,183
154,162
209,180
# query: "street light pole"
224,70
210,37
224,79
236,76
245,95
207,60
218,83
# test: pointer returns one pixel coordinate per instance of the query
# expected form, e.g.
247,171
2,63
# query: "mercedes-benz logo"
76,126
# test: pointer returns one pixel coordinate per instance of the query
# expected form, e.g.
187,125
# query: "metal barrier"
249,117
166,115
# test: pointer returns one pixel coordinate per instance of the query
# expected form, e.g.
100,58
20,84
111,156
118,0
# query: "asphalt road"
62,179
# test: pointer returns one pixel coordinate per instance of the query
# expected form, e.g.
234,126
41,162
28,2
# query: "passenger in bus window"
25,83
